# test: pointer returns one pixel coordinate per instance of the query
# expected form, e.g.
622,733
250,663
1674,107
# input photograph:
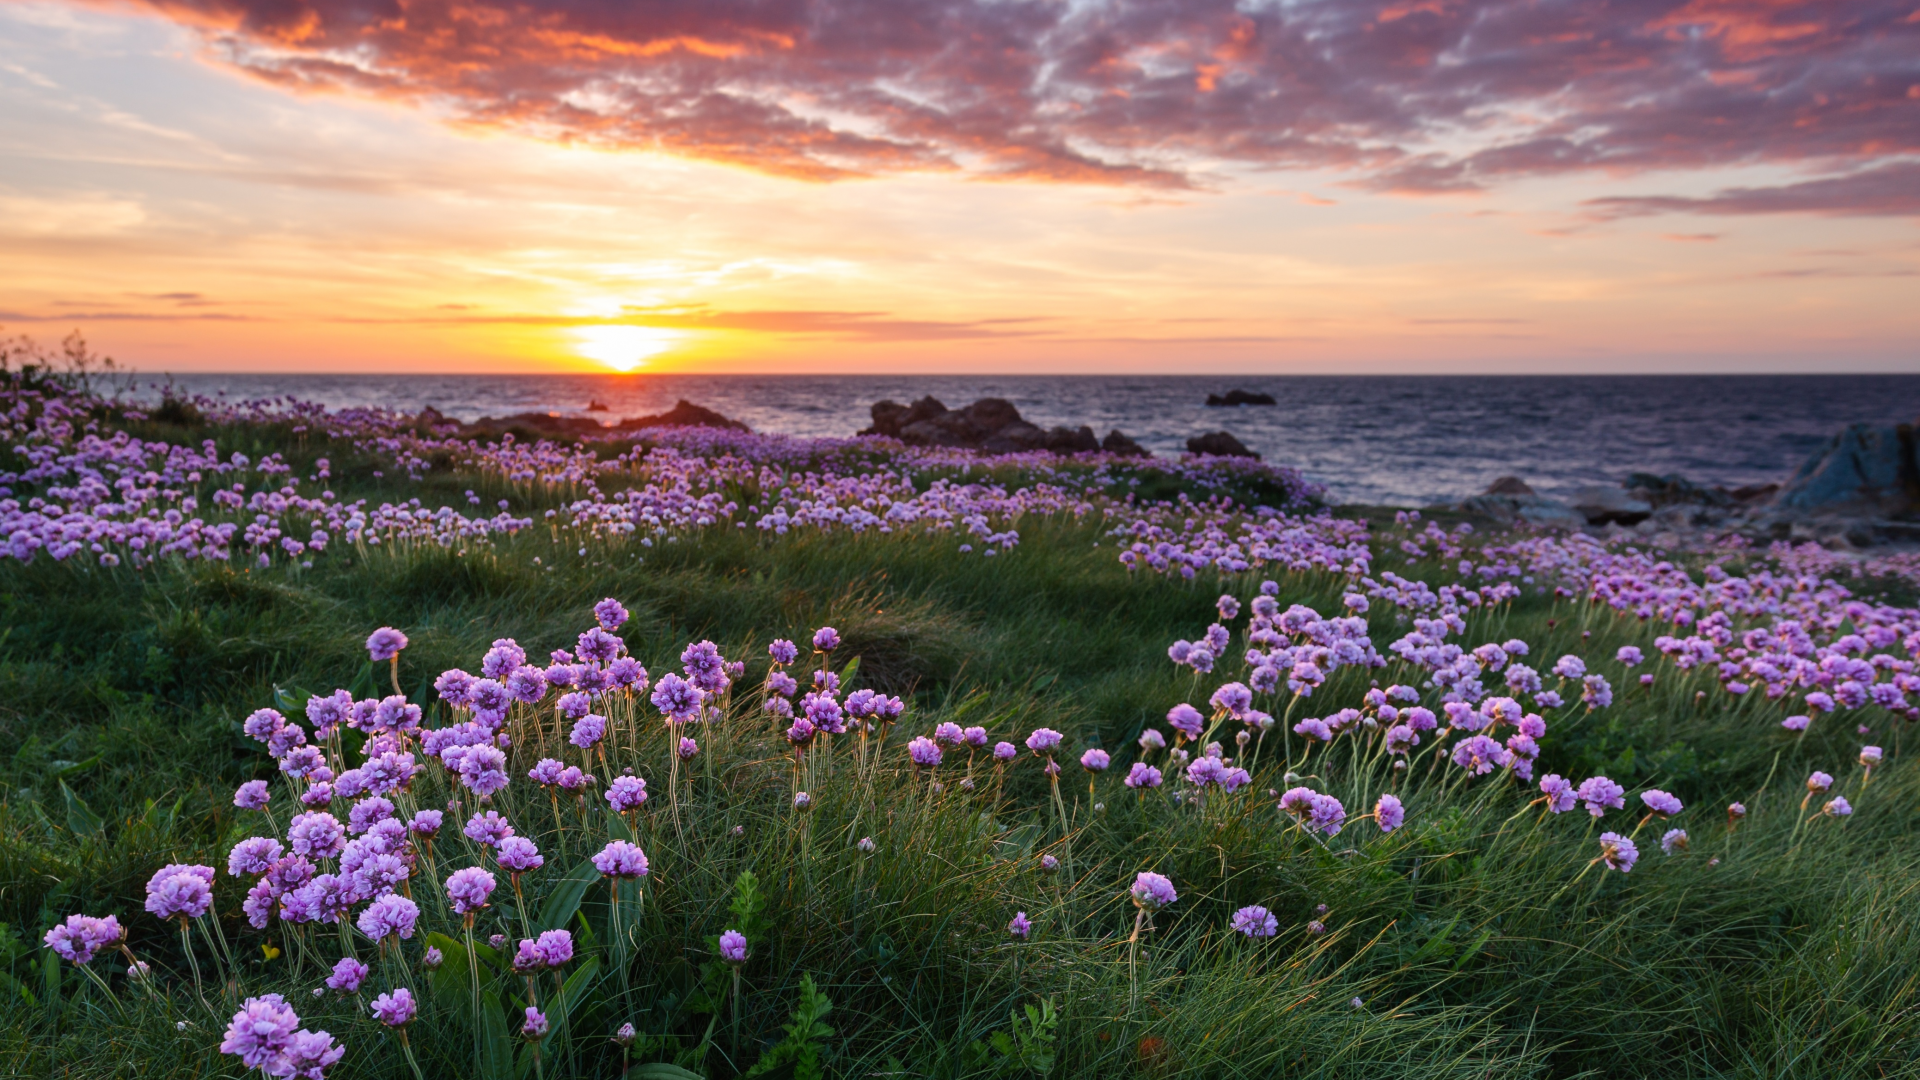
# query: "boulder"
990,414
535,425
1863,469
931,433
1509,485
1116,443
1015,438
1529,508
1603,505
888,418
1219,444
1672,489
1066,440
1239,397
684,414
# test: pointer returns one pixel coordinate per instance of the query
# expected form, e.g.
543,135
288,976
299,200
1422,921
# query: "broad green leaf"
660,1070
80,817
565,898
496,1041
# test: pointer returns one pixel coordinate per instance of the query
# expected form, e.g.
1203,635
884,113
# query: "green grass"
1480,942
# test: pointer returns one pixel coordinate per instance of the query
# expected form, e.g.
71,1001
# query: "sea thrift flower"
1049,863
1795,723
253,856
1327,814
802,800
1256,922
1186,720
826,639
396,1008
262,723
1839,807
426,823
1660,802
1152,891
1151,740
535,1027
1871,756
1095,761
1005,751
1142,775
626,793
587,731
620,859
866,845
1560,794
81,936
260,1030
1044,740
1480,755
347,976
518,855
487,829
1673,838
1618,852
252,795
483,769
783,652
676,698
1629,655
1388,813
1819,782
924,752
733,947
1600,793
609,613
180,890
385,643
1569,667
1020,927
431,959
468,890
688,749
1316,927
388,916
1233,699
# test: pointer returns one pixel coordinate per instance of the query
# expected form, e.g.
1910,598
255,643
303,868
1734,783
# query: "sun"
623,348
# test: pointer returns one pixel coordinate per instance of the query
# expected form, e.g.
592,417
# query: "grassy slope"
1472,955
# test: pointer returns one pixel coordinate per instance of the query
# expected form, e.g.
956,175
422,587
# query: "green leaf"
78,766
573,991
450,979
80,817
847,673
496,1042
660,1070
565,899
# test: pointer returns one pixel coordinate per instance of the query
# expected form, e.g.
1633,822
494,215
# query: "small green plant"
1026,1045
805,1044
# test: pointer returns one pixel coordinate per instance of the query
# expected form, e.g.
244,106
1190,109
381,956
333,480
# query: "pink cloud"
1403,95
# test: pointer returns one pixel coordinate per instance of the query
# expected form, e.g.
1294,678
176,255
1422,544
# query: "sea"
1393,440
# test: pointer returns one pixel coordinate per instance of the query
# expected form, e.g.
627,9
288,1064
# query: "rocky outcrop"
684,414
989,425
1510,500
1239,397
1862,470
1219,444
1604,505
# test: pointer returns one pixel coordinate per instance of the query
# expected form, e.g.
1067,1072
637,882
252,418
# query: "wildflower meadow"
334,746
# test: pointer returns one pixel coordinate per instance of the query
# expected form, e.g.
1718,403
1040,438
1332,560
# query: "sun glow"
623,348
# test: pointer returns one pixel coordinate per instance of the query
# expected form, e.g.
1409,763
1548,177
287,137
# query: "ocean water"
1375,439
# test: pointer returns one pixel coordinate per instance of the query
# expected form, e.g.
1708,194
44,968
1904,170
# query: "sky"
965,186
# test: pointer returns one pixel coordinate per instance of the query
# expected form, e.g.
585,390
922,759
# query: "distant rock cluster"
1860,489
566,428
1239,397
990,425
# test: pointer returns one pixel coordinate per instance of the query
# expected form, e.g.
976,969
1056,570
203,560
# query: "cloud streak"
1413,96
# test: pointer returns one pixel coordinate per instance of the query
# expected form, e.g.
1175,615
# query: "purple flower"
572,779
388,916
252,795
1316,928
588,730
733,947
396,1008
180,889
535,1027
518,855
1599,793
1005,751
1049,863
1095,760
609,613
688,749
253,856
824,713
483,769
1618,852
431,958
1388,813
1569,667
261,724
487,829
260,1030
599,647
1297,801
1152,891
620,859
1673,838
826,639
1142,775
1234,699
1819,782
802,801
426,823
546,772
468,889
366,813
1256,922
385,643
1314,728
1560,794
526,684
347,976
1186,720
81,936
555,947
1660,802
1629,655
1020,927
1821,700
1480,754
575,705
626,793
676,698
1326,814
1839,807
1871,756
1044,740
783,652
1151,740
925,752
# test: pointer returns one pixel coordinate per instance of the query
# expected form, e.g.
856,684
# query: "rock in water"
1862,469
990,425
1219,444
1239,397
1600,505
1510,499
1509,485
683,414
1117,443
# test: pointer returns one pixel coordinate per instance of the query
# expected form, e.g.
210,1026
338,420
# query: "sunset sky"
965,185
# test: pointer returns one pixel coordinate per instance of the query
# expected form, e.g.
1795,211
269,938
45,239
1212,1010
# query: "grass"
1478,940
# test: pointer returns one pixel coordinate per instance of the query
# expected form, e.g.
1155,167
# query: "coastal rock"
1239,397
1219,444
684,414
1862,470
1509,485
1602,505
990,425
1510,499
